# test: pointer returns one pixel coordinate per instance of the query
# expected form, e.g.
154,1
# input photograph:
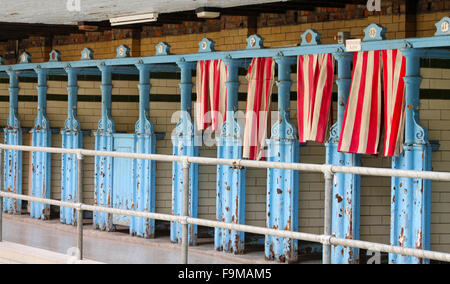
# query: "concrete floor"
12,253
107,247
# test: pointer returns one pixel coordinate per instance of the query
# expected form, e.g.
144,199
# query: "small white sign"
353,45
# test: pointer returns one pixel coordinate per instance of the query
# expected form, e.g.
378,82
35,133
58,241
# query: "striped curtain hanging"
362,120
261,77
394,67
315,86
211,94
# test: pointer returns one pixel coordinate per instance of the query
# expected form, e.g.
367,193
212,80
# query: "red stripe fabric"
394,68
211,94
315,85
362,120
261,77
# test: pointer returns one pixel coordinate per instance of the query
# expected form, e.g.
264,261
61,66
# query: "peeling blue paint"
71,139
13,159
104,165
41,162
184,145
282,185
230,199
346,187
145,178
411,198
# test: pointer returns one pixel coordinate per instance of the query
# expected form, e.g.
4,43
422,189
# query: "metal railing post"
185,231
328,215
80,219
1,198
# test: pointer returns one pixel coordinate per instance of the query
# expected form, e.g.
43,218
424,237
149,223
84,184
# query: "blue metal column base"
104,141
13,159
346,205
41,167
13,171
411,204
41,162
69,175
230,205
184,145
144,200
282,199
71,139
103,182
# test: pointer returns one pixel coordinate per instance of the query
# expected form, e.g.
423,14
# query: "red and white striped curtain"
211,94
362,120
261,78
394,67
315,86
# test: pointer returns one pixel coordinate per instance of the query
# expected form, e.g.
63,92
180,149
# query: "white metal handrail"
327,239
365,171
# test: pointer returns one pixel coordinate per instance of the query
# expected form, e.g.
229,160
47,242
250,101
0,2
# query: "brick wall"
230,32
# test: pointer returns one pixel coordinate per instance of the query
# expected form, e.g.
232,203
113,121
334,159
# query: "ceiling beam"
14,31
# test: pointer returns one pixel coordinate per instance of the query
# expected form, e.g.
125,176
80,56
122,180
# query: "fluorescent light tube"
135,19
208,12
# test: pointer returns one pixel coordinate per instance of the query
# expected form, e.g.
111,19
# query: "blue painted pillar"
13,159
184,145
346,187
144,197
282,185
41,162
104,165
71,139
230,200
411,198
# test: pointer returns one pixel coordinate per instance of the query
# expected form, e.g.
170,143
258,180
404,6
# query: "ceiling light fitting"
135,19
208,12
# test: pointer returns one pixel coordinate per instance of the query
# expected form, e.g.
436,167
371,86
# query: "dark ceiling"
15,31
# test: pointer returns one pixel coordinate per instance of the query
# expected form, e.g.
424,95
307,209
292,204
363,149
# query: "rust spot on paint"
272,253
288,226
402,238
339,198
419,241
279,191
349,213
